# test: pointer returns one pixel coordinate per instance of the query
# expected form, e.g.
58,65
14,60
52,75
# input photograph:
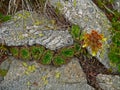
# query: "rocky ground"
81,73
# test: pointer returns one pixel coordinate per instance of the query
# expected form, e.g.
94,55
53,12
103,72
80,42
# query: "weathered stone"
116,5
109,82
6,64
26,30
89,17
67,77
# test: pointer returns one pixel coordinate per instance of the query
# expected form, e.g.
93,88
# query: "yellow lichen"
57,75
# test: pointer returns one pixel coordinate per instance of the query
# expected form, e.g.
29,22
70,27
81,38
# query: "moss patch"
3,72
24,53
67,52
14,51
47,57
75,32
58,60
37,52
4,18
114,54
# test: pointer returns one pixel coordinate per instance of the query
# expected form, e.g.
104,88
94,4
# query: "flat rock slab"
109,82
89,17
67,77
27,30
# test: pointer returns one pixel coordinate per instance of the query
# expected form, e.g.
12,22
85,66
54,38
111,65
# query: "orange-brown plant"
94,41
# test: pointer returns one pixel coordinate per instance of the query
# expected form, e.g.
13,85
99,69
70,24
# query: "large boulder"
89,17
34,76
29,28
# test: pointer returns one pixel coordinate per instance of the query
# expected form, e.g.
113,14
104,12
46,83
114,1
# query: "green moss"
3,72
4,18
24,53
47,57
58,60
37,52
75,32
114,55
77,47
116,39
14,51
119,68
67,52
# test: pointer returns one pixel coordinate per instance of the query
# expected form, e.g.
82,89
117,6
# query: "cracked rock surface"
67,77
21,30
109,82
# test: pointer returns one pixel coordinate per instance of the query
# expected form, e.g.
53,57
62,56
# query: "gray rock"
109,82
89,17
66,77
6,64
1,79
116,5
25,29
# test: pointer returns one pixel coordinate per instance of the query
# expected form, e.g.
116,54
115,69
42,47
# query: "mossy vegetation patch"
47,57
58,60
116,38
67,52
14,51
114,55
3,72
4,18
25,53
75,32
37,52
